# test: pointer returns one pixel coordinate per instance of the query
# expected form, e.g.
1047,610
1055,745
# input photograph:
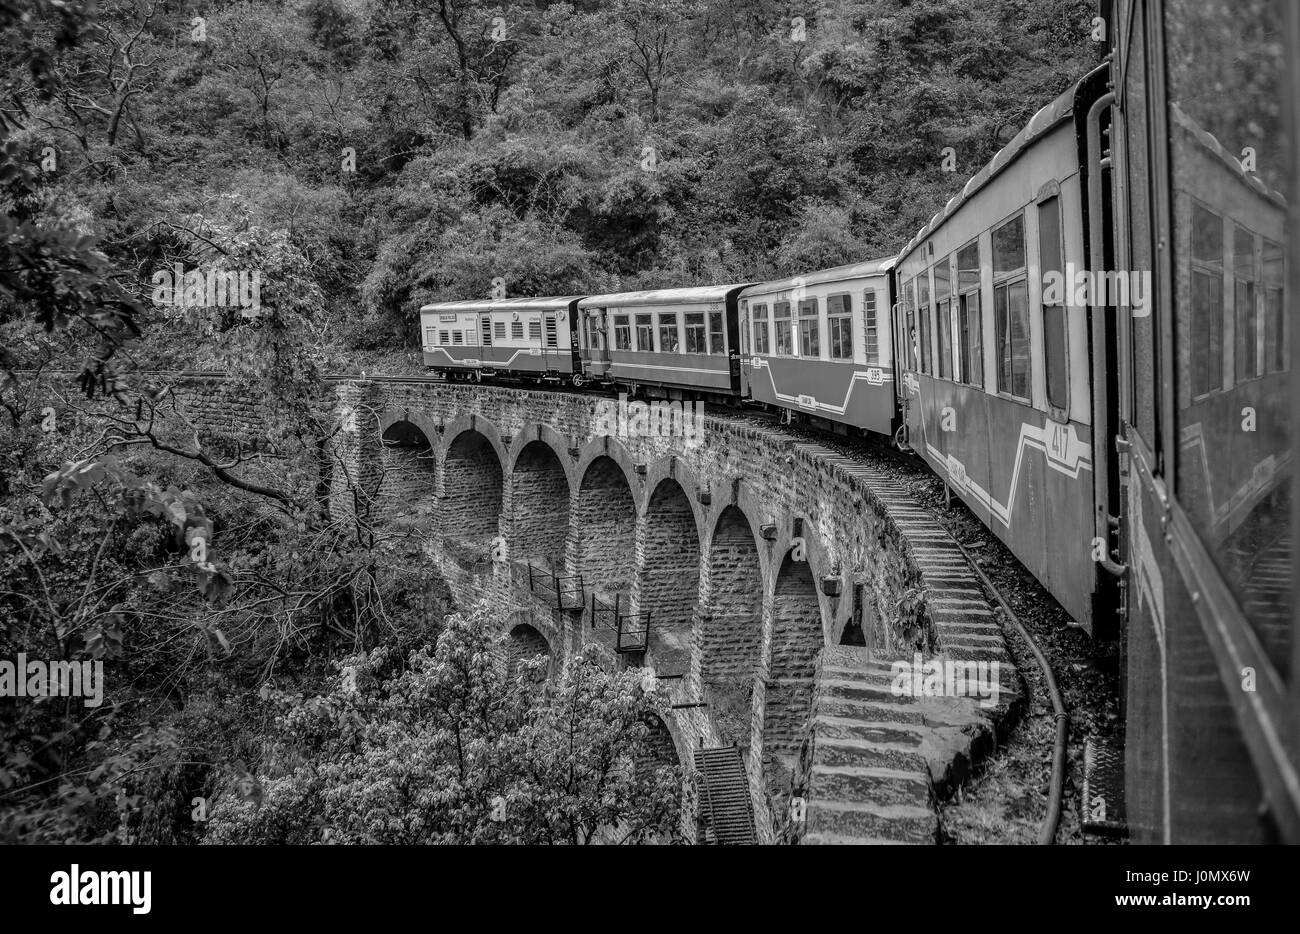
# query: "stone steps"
867,779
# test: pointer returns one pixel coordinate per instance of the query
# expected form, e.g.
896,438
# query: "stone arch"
731,625
662,747
669,579
797,636
604,528
407,471
539,506
525,643
472,486
612,449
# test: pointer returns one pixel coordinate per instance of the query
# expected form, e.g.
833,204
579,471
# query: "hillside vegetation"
272,666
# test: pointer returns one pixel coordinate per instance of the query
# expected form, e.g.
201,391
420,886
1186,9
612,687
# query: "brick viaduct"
781,577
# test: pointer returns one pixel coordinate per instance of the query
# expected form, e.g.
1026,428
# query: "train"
1091,343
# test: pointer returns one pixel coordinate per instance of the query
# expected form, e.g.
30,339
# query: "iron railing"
631,630
564,592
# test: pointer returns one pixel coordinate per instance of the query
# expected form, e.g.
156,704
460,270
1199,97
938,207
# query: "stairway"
724,795
868,779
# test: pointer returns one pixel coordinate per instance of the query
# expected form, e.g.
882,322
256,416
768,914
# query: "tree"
653,32
446,746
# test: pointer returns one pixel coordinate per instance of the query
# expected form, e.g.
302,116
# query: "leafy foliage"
362,157
445,746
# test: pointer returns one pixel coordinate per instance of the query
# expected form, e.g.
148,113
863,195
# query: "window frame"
643,321
717,317
837,323
1217,271
766,331
1051,192
870,326
1251,306
1268,287
813,316
924,295
623,330
671,321
969,354
688,329
943,318
1004,282
777,321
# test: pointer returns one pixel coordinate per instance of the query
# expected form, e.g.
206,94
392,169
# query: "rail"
631,630
561,590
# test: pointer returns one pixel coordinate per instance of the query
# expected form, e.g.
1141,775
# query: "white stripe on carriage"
1030,437
527,351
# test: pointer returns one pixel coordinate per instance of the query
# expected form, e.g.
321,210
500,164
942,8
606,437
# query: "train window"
430,337
457,338
909,313
746,332
923,300
1275,336
781,324
668,333
1056,355
871,325
943,301
552,332
839,324
622,333
1228,103
695,332
443,337
1009,247
645,334
1011,308
517,330
970,328
486,325
717,344
1245,313
760,329
809,328
500,329
1206,301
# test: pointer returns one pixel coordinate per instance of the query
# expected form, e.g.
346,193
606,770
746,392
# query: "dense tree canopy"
361,157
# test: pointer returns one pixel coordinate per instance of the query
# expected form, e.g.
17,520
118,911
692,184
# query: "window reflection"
1229,161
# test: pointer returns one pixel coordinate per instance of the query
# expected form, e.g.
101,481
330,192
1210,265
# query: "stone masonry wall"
739,502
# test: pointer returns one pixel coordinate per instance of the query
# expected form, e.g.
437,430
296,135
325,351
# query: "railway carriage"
820,344
1207,155
998,393
512,338
664,343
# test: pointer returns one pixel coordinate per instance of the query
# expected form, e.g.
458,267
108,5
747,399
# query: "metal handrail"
624,625
540,579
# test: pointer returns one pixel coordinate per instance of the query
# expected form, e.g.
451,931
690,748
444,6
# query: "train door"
598,341
1107,609
552,360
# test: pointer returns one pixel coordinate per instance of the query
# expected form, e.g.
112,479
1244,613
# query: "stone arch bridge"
781,581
